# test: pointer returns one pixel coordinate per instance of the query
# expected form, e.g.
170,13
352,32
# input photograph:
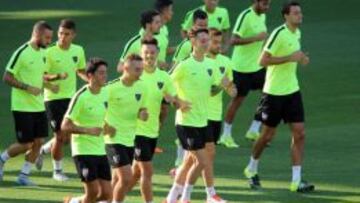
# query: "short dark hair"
194,33
68,24
287,5
147,17
152,41
41,26
199,14
93,64
133,57
215,32
161,4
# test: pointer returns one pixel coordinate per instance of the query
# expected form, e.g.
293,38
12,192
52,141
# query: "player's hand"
231,91
225,82
262,36
54,88
305,60
63,76
109,130
94,131
184,106
297,56
34,90
143,114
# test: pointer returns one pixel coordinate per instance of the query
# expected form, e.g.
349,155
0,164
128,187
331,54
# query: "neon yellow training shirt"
183,50
87,110
68,61
28,66
158,84
245,57
281,79
224,67
193,81
218,19
124,105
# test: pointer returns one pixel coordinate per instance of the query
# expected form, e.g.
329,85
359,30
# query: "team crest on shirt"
75,59
137,152
219,19
44,59
138,96
222,69
106,105
160,85
85,172
209,72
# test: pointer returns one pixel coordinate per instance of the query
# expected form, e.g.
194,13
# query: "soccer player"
65,60
183,50
282,98
165,9
193,83
24,73
248,38
84,120
151,23
126,106
160,87
223,66
218,17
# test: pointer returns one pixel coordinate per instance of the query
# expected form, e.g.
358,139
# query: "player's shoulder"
134,38
81,93
112,82
222,10
21,49
76,47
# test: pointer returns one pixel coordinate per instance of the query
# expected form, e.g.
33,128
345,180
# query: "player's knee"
299,135
126,180
92,193
104,195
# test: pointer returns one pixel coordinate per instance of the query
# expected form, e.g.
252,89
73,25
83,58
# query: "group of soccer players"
117,123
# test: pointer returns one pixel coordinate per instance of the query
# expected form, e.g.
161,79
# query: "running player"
282,98
65,60
193,82
248,38
84,120
126,105
183,50
160,87
24,73
150,23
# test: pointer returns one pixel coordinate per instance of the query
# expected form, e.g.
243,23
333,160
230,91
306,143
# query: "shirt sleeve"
226,22
82,60
74,109
178,72
187,24
274,42
169,86
240,25
129,48
15,63
182,51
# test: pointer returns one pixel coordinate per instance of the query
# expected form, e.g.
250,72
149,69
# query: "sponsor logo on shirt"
209,72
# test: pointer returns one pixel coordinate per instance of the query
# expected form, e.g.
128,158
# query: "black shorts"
245,82
289,108
191,138
119,155
213,131
144,148
92,167
56,110
30,125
